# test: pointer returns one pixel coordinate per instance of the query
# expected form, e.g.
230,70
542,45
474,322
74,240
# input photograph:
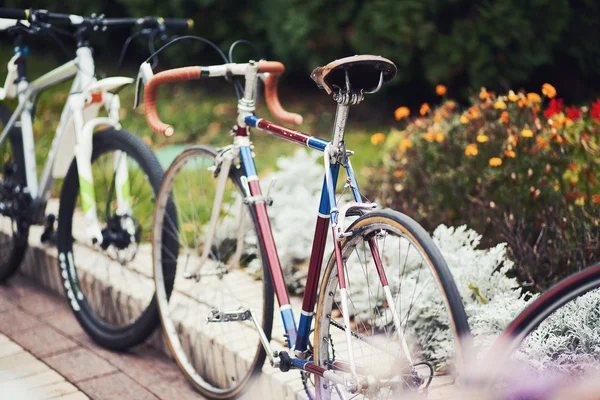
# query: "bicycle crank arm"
244,315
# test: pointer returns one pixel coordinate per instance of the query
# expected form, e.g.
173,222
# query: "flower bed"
519,168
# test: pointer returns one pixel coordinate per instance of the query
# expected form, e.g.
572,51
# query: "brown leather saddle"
364,72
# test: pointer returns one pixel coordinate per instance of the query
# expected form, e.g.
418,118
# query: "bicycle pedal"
228,316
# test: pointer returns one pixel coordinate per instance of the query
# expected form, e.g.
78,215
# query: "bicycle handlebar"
171,75
273,68
13,13
76,20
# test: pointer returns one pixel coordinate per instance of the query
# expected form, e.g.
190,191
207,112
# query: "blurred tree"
462,43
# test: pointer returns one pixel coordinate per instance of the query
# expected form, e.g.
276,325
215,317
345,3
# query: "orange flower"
504,117
534,97
439,137
430,137
437,118
548,90
401,112
475,113
527,133
405,144
512,140
398,174
596,199
495,161
500,105
555,137
483,94
471,150
512,96
482,138
377,138
440,90
523,102
464,119
510,153
424,109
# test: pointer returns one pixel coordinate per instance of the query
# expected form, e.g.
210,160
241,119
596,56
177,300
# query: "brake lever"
21,26
144,75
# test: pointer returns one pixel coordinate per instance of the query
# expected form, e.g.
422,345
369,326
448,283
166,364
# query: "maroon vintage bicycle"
388,316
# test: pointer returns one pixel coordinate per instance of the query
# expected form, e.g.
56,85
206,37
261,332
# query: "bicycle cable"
205,41
125,48
189,37
237,84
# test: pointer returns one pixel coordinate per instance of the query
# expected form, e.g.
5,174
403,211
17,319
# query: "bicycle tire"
367,226
101,328
541,308
17,250
202,380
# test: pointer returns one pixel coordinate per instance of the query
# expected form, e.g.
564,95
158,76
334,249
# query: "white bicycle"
110,178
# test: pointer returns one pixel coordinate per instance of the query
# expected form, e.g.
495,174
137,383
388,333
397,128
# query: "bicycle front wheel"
557,332
219,268
109,284
417,352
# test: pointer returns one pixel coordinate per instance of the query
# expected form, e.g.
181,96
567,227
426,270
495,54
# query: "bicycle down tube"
326,204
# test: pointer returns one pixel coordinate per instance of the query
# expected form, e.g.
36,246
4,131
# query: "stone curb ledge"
41,266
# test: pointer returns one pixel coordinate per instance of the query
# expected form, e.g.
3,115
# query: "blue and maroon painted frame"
297,335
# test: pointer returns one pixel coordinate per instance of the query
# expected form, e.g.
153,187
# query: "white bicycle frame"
74,134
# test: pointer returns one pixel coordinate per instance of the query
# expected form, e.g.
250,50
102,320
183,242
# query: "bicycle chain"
305,375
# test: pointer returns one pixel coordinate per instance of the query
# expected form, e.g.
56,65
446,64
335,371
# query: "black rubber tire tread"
422,238
106,335
12,264
268,293
554,298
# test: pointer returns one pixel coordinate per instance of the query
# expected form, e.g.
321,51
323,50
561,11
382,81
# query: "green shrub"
511,167
504,43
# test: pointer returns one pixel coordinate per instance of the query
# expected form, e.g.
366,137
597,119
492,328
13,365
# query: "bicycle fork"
84,131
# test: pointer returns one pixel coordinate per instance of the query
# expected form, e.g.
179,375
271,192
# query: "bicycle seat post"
344,99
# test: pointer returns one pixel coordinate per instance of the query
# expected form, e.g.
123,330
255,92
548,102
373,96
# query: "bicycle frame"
335,155
73,137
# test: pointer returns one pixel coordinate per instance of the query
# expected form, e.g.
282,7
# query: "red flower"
595,111
573,113
555,107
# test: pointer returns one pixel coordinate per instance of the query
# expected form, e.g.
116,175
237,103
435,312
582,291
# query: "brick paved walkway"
43,345
23,376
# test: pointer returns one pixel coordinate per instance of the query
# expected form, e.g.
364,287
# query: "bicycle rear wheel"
14,202
427,303
557,332
221,271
